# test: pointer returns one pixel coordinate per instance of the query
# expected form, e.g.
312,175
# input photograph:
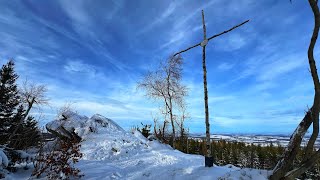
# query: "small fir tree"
9,99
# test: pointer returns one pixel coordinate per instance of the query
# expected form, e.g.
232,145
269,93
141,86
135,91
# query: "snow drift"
112,153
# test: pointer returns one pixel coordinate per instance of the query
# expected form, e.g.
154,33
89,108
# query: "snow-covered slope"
111,153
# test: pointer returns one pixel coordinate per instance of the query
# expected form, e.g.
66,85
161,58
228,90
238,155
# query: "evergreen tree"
9,99
17,130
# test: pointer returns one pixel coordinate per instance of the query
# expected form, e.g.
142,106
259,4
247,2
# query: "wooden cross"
208,157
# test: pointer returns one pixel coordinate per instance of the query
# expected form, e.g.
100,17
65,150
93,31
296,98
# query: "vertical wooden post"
208,153
208,156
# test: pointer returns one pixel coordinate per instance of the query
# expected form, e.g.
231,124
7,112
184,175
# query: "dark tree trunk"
314,73
208,158
170,108
30,104
172,124
281,171
286,162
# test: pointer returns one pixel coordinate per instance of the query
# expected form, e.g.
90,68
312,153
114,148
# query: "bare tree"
67,106
181,119
284,166
33,95
161,131
165,84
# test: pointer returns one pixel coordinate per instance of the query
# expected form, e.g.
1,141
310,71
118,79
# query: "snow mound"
129,155
81,125
113,145
3,159
109,152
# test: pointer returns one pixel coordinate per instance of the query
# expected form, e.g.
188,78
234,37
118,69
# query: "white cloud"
279,67
230,42
224,121
215,99
263,86
118,4
170,9
79,67
200,27
225,66
180,23
180,32
85,25
174,38
76,11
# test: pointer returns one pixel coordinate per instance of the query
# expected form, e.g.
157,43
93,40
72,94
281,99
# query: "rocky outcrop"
74,126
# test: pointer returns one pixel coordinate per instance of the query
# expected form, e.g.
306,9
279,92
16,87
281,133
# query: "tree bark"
30,104
284,165
172,124
206,107
170,112
303,167
314,74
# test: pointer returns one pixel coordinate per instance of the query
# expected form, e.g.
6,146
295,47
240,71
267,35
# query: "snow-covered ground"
112,153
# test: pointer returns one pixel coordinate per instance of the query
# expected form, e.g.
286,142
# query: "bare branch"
33,94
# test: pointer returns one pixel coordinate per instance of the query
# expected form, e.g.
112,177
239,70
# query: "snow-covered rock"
3,163
72,122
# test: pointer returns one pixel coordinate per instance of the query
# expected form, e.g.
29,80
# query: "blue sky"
92,54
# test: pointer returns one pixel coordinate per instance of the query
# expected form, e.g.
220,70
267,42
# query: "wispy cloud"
120,103
79,67
200,27
174,39
101,49
281,66
118,4
225,66
181,31
231,42
76,12
180,23
167,12
261,86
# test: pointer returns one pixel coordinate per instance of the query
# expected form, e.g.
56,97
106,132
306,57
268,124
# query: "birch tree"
165,84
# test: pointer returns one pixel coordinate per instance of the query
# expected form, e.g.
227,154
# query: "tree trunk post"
208,156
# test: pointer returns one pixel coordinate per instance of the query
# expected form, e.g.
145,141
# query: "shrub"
59,163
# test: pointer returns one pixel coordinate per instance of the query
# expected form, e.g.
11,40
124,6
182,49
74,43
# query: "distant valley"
262,140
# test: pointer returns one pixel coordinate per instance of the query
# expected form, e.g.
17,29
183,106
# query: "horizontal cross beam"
214,36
